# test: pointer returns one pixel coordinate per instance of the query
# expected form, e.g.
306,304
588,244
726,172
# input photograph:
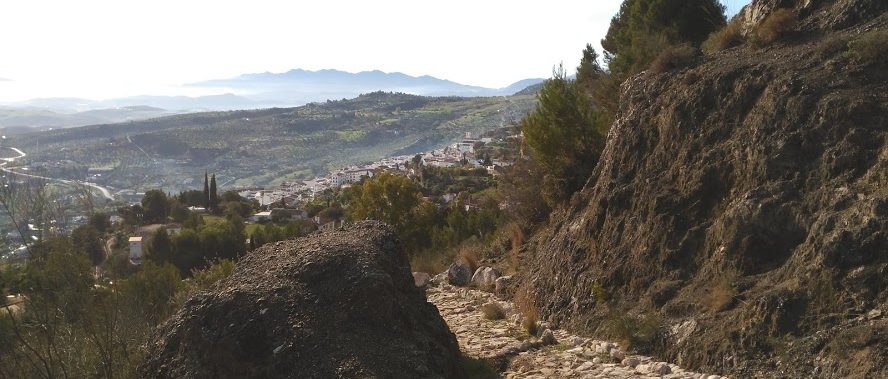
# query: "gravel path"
570,356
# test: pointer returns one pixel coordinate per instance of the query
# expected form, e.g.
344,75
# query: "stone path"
568,356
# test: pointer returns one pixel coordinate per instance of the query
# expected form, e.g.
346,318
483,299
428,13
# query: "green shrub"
674,58
774,26
727,37
634,332
871,47
832,45
477,368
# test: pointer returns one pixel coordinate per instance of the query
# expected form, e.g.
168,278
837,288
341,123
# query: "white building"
261,217
349,176
135,245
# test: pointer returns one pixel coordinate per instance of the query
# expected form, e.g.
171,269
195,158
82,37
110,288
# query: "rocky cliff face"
744,201
334,305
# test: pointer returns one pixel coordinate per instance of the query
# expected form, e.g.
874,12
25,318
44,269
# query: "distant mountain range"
296,87
250,91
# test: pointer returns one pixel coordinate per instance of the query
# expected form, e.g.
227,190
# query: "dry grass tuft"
526,304
871,47
469,256
721,295
776,25
517,241
493,311
673,58
726,38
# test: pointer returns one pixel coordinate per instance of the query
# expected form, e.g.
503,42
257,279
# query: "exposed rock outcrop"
745,202
340,304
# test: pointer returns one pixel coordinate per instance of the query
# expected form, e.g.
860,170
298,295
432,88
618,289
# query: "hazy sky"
101,49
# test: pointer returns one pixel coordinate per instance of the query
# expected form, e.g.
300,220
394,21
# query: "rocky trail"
557,354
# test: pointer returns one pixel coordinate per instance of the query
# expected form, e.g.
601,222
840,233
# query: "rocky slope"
741,204
334,305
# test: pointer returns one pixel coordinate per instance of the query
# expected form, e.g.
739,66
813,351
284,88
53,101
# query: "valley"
256,148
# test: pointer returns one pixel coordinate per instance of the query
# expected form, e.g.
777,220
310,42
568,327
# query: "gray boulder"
459,274
485,278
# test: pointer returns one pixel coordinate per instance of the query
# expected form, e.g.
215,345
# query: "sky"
101,49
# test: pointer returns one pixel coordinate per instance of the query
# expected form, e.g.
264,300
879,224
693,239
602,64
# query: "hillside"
261,147
740,208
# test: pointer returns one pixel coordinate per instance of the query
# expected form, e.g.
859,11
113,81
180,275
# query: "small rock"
524,346
617,354
484,278
578,341
631,362
421,279
660,368
459,274
502,285
548,338
602,349
586,366
576,351
439,279
596,360
873,314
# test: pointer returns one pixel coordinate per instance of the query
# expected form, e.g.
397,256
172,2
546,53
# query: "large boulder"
459,273
341,304
484,278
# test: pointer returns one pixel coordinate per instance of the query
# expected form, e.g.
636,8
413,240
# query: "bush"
634,332
493,311
727,37
674,58
832,46
774,26
477,368
871,47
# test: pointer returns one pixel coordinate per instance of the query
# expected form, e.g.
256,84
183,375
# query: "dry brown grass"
517,240
673,58
525,302
727,37
430,262
493,311
871,47
469,256
722,293
776,25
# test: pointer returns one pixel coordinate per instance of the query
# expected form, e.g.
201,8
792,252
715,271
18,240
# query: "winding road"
5,161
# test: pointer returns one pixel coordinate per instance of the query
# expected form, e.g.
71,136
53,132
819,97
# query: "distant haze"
101,49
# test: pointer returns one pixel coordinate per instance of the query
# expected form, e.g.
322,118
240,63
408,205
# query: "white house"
135,245
261,217
349,176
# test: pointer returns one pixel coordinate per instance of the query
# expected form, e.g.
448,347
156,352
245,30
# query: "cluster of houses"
294,193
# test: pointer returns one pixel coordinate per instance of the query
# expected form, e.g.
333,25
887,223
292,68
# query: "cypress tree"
214,197
206,196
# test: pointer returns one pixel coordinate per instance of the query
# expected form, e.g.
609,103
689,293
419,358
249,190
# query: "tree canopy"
643,28
566,134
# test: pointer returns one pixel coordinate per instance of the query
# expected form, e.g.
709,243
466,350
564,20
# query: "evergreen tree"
206,191
566,134
643,28
160,247
156,206
214,196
